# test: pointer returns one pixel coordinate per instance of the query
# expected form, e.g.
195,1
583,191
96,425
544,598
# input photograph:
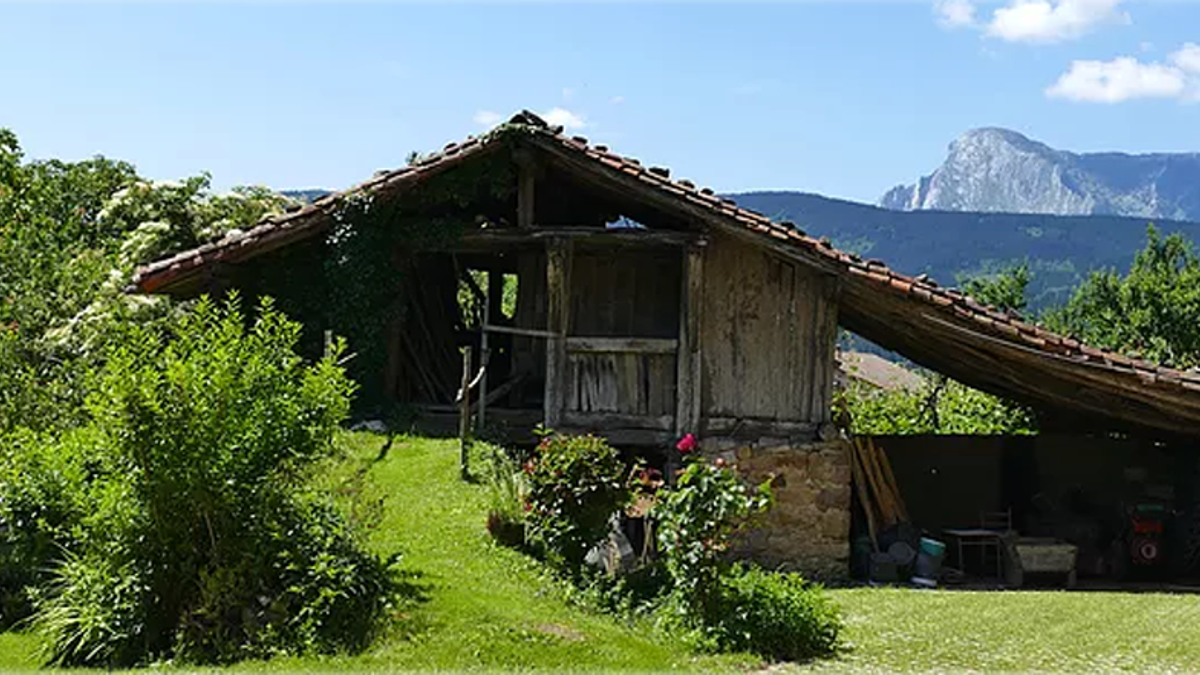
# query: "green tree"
942,406
1004,290
1152,312
70,235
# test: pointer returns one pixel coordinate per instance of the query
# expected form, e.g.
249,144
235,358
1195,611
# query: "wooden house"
646,308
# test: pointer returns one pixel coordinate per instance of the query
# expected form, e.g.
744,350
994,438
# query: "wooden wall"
623,293
768,330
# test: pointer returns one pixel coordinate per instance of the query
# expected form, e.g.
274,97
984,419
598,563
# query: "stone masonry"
808,528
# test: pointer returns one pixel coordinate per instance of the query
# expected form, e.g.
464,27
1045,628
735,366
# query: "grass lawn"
486,607
895,630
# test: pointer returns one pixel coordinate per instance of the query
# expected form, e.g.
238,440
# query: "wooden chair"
987,537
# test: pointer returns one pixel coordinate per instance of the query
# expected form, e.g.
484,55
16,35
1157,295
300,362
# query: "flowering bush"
697,520
576,485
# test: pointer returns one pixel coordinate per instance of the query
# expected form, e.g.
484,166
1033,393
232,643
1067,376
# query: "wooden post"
688,363
525,196
483,349
464,417
527,171
558,310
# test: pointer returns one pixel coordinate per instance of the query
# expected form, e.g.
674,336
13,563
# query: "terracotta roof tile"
921,288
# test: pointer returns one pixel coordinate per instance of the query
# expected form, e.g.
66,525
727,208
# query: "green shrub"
203,504
576,485
697,520
41,506
778,616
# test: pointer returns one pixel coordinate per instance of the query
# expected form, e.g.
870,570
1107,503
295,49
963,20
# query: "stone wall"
808,528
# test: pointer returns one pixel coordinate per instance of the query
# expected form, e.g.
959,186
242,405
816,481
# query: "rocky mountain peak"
1000,170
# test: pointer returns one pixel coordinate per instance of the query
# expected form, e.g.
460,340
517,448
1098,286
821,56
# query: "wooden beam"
526,191
622,345
688,361
585,236
635,437
558,318
755,428
624,186
523,332
602,421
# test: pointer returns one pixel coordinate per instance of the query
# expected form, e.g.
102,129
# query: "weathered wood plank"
687,381
526,191
601,421
524,332
756,428
622,345
765,335
558,315
582,236
627,437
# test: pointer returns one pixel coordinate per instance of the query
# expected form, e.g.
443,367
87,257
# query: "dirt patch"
559,630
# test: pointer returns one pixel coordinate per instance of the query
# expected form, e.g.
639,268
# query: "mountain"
998,170
1060,250
307,196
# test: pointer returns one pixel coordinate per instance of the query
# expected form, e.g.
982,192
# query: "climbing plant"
356,280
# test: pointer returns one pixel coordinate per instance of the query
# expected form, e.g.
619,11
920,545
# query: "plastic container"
929,558
933,547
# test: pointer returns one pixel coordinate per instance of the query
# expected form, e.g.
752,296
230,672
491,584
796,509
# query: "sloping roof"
936,327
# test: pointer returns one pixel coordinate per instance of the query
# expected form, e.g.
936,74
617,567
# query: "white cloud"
955,13
1187,58
1052,20
1032,20
565,118
487,118
1122,79
617,100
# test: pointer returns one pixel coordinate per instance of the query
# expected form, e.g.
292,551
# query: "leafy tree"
70,235
1153,311
942,406
1005,290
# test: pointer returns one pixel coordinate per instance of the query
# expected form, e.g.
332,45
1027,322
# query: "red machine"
1139,548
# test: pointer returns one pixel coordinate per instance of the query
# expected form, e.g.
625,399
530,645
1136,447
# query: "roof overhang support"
558,318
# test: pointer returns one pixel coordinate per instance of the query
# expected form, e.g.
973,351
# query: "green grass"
486,607
895,630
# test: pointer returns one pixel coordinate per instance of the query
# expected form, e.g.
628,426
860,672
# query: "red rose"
686,444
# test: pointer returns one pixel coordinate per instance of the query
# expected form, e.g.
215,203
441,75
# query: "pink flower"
686,444
720,462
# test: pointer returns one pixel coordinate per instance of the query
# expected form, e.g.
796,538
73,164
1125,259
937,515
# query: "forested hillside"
1060,251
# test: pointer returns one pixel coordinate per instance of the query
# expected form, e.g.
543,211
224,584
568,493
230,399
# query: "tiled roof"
945,302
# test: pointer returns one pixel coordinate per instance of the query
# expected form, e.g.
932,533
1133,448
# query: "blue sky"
842,98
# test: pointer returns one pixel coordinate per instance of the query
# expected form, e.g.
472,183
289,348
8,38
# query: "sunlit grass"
488,608
485,607
895,630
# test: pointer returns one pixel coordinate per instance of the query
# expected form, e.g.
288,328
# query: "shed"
645,308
